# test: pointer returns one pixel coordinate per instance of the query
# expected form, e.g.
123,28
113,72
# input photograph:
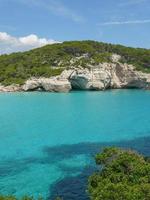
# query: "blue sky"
116,21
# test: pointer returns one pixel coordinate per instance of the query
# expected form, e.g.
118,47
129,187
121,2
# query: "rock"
31,84
94,79
115,58
54,84
106,75
10,88
125,76
101,77
66,74
109,75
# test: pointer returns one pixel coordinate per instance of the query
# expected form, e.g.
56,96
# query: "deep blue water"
48,140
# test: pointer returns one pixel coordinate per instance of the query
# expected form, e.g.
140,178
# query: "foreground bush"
124,175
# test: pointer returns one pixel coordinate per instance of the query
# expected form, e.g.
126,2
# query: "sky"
27,24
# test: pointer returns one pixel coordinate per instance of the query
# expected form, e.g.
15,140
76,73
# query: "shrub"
45,61
124,175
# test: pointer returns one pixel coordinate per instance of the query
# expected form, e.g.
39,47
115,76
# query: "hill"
51,60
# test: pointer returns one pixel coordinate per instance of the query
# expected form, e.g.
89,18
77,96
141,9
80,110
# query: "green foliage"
58,198
101,57
7,198
124,175
50,60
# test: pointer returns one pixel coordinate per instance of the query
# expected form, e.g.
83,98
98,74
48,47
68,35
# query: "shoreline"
99,78
73,90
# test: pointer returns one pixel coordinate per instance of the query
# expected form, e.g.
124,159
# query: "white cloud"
4,37
124,22
9,44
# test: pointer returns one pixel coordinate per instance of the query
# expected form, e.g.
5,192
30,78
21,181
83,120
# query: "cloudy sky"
26,24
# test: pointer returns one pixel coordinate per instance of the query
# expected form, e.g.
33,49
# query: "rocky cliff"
112,75
104,76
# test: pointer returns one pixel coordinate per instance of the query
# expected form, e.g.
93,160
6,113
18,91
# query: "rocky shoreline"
114,75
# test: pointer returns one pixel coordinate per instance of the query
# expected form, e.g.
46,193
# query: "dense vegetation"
125,175
50,60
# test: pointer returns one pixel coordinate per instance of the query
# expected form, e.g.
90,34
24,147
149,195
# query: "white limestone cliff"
101,77
48,84
113,75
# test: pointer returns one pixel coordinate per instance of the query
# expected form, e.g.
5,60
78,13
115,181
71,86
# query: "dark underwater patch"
71,187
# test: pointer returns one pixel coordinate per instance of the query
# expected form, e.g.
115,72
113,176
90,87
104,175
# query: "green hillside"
51,60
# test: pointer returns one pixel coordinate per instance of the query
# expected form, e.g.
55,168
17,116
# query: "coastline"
5,90
102,77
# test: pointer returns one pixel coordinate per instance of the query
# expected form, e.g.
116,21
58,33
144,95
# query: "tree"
123,175
51,60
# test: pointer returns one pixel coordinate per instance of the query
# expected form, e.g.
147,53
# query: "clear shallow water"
48,140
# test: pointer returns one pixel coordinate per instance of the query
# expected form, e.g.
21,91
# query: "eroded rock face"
10,88
32,84
109,75
101,77
94,79
125,76
56,85
48,84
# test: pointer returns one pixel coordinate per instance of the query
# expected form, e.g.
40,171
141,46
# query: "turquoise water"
48,140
